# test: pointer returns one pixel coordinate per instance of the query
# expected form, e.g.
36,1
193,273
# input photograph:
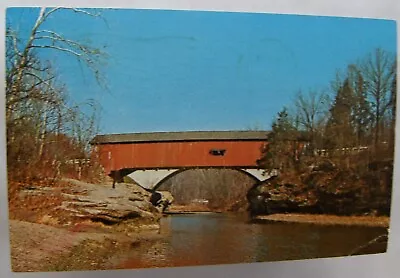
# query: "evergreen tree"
339,127
362,117
280,153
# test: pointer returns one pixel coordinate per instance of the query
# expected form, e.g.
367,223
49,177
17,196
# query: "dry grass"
188,208
38,208
367,221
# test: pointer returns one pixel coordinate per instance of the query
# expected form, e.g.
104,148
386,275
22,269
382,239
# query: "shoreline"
190,212
49,248
325,220
189,209
294,218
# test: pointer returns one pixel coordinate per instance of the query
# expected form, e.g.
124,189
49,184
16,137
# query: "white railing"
78,161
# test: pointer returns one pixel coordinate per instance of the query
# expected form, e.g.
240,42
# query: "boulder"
276,197
126,208
161,200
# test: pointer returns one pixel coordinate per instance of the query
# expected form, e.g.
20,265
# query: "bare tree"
393,107
378,73
37,111
23,59
311,114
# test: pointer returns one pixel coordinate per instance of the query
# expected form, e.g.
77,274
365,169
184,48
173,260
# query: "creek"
208,239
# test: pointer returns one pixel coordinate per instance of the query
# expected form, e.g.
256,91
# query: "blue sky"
189,70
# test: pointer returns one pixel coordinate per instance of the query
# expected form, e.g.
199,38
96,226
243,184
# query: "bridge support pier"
260,174
119,175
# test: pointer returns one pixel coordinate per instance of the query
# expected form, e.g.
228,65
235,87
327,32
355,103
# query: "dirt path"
38,247
34,246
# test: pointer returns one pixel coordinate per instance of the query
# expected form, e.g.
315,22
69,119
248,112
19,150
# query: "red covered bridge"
150,158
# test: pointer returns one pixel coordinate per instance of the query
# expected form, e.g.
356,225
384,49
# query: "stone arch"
151,179
157,185
256,174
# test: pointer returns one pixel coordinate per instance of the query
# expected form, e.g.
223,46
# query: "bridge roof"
181,136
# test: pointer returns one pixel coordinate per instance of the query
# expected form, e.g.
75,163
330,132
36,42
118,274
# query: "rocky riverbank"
325,189
49,222
71,203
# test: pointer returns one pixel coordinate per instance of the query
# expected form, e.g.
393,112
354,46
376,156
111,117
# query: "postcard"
144,138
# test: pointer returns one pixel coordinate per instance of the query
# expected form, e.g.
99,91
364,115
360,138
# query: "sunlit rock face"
275,196
126,208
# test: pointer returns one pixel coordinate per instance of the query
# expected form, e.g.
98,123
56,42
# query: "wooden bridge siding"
179,154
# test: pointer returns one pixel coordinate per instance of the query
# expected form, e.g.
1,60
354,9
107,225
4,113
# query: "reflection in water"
207,239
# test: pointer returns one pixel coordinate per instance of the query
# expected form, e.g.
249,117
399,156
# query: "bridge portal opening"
216,189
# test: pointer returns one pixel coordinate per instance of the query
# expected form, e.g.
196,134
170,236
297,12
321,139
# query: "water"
207,239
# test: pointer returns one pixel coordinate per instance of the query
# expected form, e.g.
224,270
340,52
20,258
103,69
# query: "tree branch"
77,10
57,48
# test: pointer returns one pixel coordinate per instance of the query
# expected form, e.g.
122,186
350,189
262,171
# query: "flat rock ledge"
126,208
